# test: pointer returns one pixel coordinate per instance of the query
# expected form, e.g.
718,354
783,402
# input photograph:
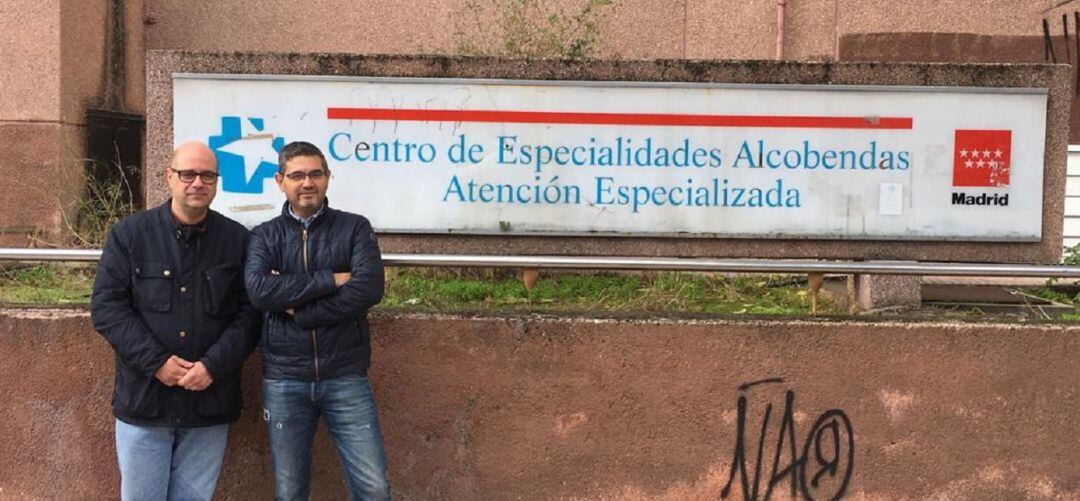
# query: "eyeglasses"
188,176
299,177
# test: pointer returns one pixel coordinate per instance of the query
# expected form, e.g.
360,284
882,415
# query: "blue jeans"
169,463
292,410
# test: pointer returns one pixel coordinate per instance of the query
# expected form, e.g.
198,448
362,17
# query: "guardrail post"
529,276
814,280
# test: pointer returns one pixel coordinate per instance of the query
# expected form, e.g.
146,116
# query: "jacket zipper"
314,341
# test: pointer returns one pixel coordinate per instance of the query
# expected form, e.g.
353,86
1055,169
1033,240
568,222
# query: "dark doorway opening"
114,153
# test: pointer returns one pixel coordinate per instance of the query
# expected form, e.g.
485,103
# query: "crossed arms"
319,297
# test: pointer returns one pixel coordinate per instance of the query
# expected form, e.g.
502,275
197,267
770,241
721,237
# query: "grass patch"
1059,293
499,290
1052,294
45,285
607,292
485,290
1070,317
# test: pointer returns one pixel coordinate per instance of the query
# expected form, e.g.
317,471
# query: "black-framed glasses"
299,177
188,176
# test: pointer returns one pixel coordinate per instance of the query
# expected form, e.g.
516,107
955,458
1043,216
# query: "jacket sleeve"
114,315
363,290
279,292
237,341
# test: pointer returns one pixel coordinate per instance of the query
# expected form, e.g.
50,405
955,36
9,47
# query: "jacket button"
166,273
182,333
138,270
183,289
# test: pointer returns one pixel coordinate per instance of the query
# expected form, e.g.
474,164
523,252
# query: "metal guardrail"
20,254
651,263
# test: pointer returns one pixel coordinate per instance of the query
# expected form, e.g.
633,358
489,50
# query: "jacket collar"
286,213
167,219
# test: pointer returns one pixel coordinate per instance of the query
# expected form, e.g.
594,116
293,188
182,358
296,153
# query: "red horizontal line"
659,119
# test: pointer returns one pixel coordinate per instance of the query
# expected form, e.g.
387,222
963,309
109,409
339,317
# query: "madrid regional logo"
246,154
982,160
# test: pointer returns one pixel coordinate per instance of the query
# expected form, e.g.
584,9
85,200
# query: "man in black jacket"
169,297
316,271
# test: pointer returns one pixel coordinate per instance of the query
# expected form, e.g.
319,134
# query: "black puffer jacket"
289,267
157,295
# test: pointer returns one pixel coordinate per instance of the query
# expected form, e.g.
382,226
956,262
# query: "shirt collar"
306,221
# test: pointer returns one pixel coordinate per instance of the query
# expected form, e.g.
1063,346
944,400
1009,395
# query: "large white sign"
612,158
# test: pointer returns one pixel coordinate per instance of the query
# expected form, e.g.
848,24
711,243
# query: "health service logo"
246,154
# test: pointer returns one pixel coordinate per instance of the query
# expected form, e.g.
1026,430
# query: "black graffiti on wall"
822,470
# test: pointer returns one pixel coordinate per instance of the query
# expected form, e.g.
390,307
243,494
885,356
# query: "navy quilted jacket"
290,267
157,295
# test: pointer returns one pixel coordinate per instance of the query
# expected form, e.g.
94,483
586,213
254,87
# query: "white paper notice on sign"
892,199
456,156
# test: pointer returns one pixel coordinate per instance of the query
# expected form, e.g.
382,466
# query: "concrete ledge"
547,408
875,292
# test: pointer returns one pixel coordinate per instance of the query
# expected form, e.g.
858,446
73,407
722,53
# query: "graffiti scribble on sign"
820,472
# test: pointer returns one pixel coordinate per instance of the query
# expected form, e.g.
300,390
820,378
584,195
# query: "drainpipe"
781,6
113,98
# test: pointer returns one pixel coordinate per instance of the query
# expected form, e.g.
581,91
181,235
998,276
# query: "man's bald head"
194,151
192,180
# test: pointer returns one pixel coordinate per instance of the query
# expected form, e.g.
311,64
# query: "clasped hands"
193,375
188,375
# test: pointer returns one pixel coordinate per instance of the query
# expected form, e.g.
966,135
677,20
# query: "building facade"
73,66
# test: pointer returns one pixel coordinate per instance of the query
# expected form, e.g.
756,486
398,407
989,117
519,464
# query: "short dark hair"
299,149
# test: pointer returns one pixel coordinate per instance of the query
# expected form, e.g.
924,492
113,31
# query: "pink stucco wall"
534,407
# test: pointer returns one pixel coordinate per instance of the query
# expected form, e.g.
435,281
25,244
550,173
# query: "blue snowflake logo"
245,160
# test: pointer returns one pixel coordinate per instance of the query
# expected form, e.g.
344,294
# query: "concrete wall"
997,31
635,29
580,408
31,81
162,65
54,59
30,127
992,31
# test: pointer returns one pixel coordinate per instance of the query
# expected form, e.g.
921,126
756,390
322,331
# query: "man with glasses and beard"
316,271
169,298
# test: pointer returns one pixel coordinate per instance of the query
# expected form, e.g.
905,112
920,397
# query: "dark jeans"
292,410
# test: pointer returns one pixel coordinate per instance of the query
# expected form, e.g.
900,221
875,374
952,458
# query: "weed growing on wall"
104,204
1071,256
106,199
530,29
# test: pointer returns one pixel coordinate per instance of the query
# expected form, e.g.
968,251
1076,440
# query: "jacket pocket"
220,286
221,399
152,288
271,332
138,398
